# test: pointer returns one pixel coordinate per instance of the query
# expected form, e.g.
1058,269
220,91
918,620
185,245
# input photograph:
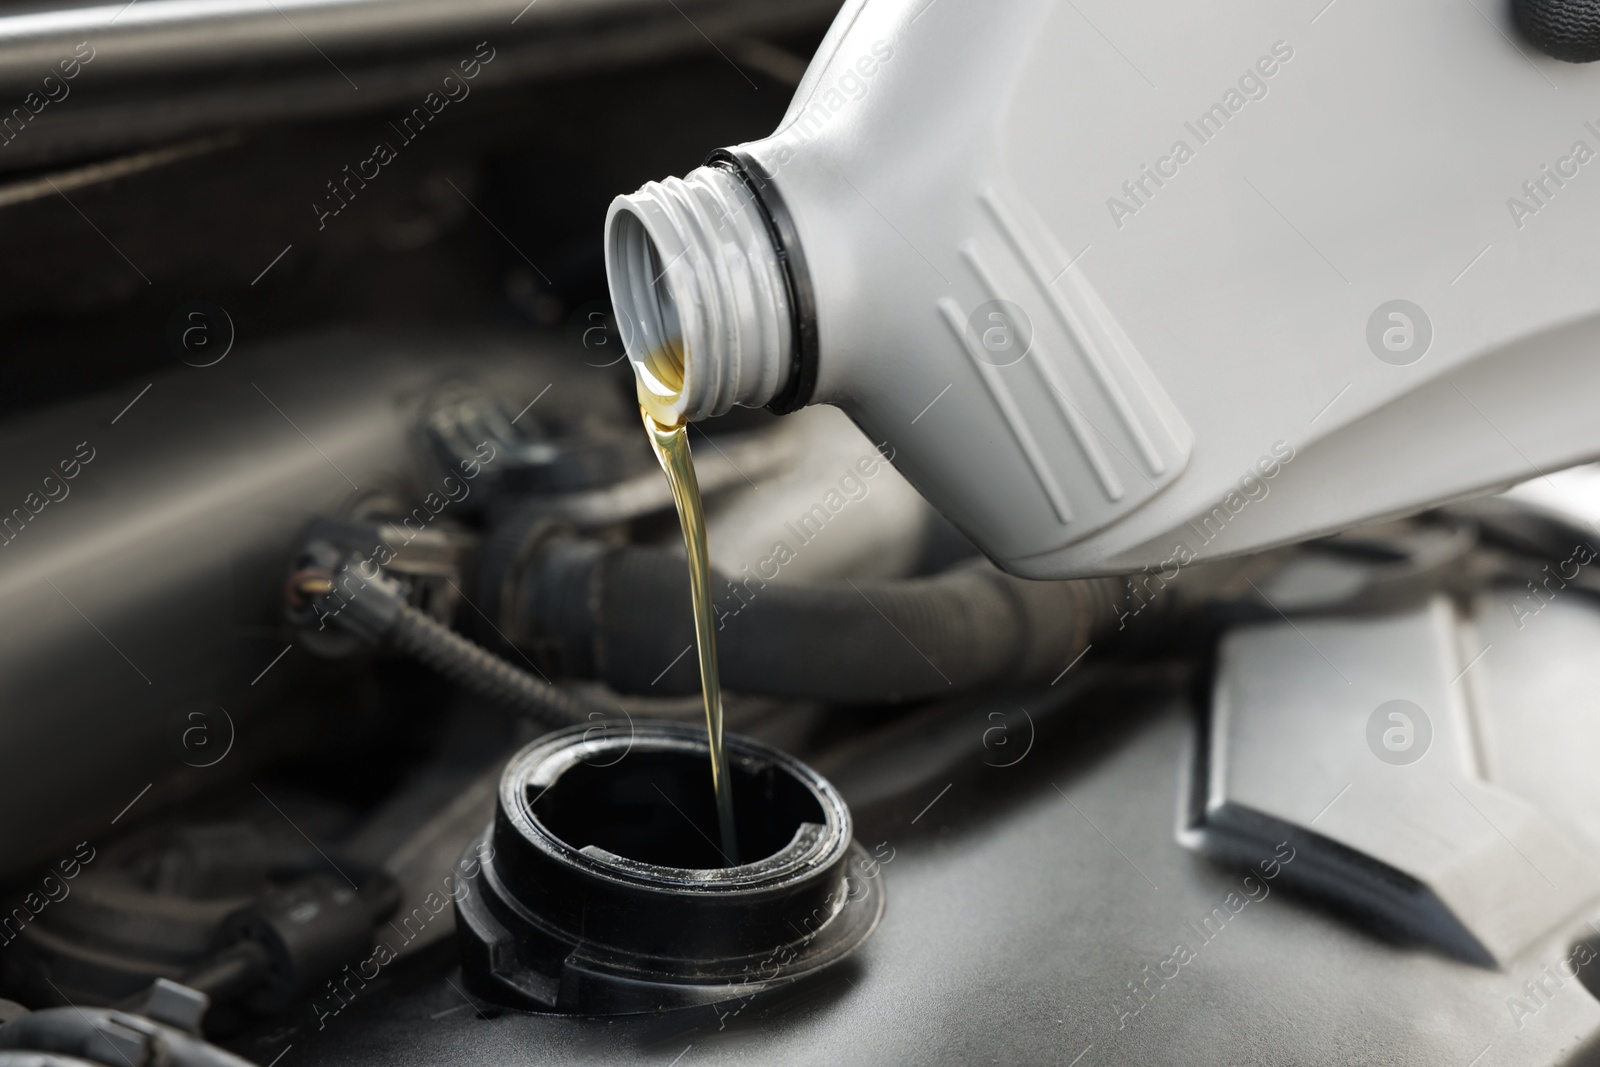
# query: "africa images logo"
1399,732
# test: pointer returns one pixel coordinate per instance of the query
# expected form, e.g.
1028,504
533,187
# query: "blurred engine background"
298,287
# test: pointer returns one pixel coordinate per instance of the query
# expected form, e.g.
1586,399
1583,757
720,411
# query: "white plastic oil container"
1128,285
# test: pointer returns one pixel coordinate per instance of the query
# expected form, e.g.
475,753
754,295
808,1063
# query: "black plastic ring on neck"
585,896
797,391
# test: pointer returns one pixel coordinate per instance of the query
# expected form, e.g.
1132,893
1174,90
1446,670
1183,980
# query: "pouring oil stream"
669,439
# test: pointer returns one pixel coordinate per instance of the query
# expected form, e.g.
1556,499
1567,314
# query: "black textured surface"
1564,29
482,671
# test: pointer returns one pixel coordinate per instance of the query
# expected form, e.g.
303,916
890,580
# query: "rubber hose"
623,616
476,668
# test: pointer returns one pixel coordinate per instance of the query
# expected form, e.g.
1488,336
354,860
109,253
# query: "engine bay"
352,712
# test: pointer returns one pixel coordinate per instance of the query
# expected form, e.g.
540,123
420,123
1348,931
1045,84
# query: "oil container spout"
702,294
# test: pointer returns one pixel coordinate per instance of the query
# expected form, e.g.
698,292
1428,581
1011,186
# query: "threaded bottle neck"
699,295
